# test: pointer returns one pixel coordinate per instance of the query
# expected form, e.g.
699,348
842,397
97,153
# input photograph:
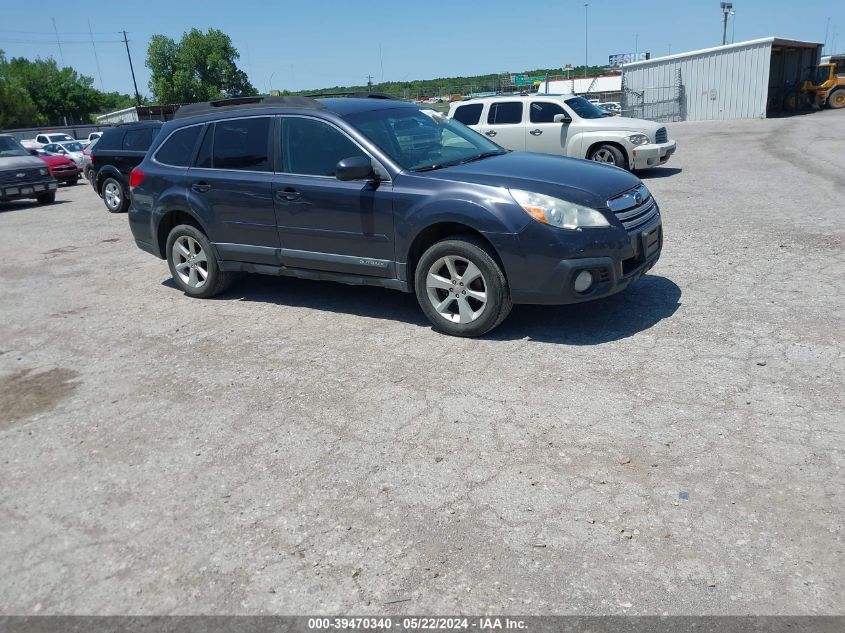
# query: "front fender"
488,210
589,139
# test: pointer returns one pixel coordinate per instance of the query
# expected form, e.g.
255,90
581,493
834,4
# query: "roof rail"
243,103
356,95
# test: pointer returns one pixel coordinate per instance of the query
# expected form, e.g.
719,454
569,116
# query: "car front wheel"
461,287
608,154
192,263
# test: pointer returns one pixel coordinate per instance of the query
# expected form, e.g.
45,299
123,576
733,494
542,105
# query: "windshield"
73,147
585,109
10,147
424,139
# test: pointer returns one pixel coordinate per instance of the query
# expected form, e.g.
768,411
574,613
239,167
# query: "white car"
71,149
566,125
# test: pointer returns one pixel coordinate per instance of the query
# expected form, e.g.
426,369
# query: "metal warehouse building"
738,81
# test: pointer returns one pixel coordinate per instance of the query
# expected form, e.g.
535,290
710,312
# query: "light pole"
586,55
726,10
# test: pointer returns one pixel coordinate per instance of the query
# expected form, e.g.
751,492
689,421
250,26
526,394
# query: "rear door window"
505,112
240,144
469,114
179,148
138,140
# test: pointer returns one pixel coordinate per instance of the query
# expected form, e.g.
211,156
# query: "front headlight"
557,212
43,171
638,139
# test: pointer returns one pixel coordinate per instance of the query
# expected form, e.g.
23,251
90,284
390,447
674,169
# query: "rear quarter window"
505,112
138,140
111,139
469,114
178,149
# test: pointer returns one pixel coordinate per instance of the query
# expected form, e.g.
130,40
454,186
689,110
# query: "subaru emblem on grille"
638,198
20,175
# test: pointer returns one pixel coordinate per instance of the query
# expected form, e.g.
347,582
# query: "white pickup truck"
566,125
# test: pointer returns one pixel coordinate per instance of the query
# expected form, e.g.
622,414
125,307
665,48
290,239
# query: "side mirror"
355,168
562,118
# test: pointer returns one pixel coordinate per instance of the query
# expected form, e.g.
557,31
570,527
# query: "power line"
96,59
61,54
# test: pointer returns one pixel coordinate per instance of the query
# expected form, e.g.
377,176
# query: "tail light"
136,177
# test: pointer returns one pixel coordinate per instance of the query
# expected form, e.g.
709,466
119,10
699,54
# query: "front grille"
633,214
61,169
661,136
10,176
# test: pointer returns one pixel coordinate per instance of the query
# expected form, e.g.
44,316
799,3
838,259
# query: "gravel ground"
308,447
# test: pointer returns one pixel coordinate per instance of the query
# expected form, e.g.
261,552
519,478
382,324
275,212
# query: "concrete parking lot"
308,447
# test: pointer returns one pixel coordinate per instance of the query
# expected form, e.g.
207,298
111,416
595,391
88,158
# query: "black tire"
468,249
836,99
47,198
216,280
793,101
114,196
89,174
609,155
72,182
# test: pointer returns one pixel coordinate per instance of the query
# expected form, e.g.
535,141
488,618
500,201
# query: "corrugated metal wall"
728,83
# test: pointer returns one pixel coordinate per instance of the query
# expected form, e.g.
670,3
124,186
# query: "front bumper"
615,259
24,190
64,174
652,154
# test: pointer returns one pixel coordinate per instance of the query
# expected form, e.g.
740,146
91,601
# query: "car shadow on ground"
658,172
20,205
645,303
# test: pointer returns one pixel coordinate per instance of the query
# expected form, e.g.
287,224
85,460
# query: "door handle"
200,187
491,133
288,193
536,132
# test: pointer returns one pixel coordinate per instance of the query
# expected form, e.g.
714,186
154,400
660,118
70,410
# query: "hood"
622,124
580,181
55,161
19,162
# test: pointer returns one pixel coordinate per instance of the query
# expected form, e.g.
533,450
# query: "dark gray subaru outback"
383,192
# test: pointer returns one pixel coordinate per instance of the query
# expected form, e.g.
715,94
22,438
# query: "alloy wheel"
456,289
190,261
604,156
113,195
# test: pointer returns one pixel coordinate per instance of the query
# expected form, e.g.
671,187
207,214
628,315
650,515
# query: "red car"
61,168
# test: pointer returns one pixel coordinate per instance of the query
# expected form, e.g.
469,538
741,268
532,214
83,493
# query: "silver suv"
568,126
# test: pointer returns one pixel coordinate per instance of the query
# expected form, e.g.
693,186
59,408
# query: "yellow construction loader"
825,83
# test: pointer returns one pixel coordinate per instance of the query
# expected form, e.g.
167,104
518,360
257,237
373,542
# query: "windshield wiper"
462,161
471,159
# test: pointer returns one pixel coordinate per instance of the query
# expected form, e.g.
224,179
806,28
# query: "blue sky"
321,43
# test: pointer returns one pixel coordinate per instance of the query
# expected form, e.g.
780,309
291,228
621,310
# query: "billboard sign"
525,80
627,58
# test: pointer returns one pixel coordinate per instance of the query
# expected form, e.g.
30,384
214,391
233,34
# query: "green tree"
59,94
16,106
200,67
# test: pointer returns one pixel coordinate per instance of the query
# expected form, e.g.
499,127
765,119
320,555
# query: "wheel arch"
596,144
436,232
172,218
105,172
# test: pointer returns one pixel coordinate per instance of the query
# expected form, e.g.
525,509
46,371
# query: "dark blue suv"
384,192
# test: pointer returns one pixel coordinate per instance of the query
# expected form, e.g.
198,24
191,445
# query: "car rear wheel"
113,195
461,287
47,198
608,154
192,263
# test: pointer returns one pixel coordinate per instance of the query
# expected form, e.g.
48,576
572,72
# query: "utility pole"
586,55
369,81
132,70
726,11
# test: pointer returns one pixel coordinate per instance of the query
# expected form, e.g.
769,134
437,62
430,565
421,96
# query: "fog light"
583,281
